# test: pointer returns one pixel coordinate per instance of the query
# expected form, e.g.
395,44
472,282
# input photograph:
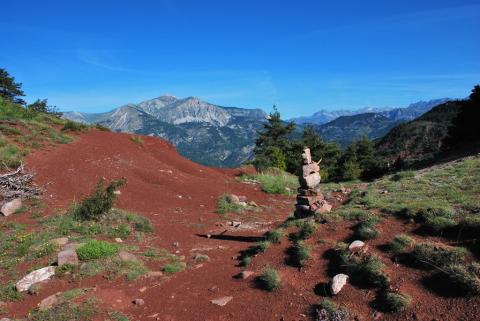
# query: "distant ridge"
206,133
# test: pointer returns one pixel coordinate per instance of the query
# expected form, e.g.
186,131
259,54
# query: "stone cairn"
309,198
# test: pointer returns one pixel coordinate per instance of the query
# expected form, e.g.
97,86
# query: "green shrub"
225,204
9,131
328,311
245,260
399,243
260,247
142,224
464,278
301,253
363,270
277,182
393,302
471,222
436,255
96,249
73,126
10,155
98,203
366,230
269,280
275,236
174,267
307,230
122,231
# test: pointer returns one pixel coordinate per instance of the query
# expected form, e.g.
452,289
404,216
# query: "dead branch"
17,184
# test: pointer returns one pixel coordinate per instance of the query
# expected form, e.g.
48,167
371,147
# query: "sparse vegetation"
329,311
137,140
74,126
300,253
366,271
66,311
226,204
392,302
400,243
307,230
96,249
366,230
174,267
438,255
275,236
269,279
98,203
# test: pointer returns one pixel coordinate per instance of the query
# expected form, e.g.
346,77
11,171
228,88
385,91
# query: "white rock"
35,277
356,245
222,301
338,282
11,207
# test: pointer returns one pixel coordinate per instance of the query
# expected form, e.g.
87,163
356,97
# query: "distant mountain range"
408,113
225,136
371,122
206,133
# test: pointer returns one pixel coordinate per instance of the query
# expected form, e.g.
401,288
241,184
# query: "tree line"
275,148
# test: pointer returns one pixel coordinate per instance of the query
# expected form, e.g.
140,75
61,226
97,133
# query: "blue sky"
300,55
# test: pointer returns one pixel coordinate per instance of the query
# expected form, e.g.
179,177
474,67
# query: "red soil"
179,197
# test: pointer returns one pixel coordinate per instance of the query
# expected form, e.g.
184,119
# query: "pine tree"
272,142
9,89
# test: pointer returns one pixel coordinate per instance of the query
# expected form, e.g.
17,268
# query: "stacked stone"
309,197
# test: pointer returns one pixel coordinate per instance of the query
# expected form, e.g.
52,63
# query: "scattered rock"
176,244
118,240
321,207
252,204
338,282
5,319
139,302
201,258
143,289
222,301
213,289
61,241
35,277
235,223
67,257
49,301
11,207
246,274
356,246
384,192
154,274
125,256
242,198
244,204
117,192
234,199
